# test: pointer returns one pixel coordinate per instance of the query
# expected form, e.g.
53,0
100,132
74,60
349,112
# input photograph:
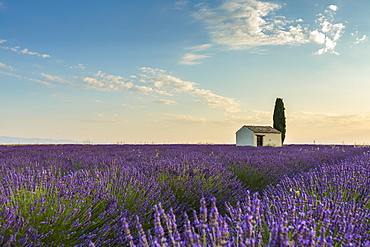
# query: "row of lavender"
79,195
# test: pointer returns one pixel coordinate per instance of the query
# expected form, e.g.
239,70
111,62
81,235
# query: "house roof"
262,129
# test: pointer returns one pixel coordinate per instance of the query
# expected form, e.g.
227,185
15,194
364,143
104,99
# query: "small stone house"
258,136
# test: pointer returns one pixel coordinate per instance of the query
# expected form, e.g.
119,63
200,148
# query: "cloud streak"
23,51
104,82
3,65
190,58
165,102
26,51
200,47
181,4
54,78
47,84
159,79
79,66
157,82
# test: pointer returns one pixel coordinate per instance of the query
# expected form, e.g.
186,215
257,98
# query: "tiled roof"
262,129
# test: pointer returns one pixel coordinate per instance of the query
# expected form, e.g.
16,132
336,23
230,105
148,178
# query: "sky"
187,71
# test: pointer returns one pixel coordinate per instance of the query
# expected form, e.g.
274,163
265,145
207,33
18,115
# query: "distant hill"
19,140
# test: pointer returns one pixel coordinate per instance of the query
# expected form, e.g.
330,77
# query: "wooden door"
259,141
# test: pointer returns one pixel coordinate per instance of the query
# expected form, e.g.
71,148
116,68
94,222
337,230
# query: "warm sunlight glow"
183,71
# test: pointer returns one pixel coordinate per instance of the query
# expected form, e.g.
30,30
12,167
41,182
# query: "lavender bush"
104,195
328,206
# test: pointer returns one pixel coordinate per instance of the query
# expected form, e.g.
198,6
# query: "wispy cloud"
24,51
157,82
148,90
189,58
165,102
159,79
359,40
104,82
47,84
200,47
79,66
54,78
247,24
3,65
57,60
242,24
329,33
181,4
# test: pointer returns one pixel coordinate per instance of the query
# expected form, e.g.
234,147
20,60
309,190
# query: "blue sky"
184,71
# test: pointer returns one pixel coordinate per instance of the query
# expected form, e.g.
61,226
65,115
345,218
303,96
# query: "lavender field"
184,195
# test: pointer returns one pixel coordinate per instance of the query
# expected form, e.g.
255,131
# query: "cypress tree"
279,118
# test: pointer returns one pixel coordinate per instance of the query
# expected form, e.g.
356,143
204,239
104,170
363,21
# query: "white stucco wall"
245,137
269,139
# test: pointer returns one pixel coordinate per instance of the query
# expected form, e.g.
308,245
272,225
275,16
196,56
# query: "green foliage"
279,118
179,186
58,220
250,176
